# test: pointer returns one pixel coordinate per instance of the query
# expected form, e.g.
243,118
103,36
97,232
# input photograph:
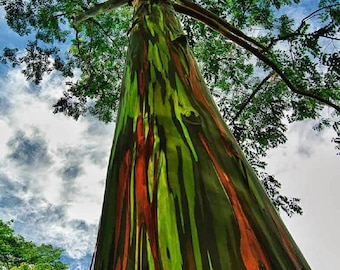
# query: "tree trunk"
179,192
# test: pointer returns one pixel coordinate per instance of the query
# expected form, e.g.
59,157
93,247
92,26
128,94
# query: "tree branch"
102,29
248,100
216,23
97,9
223,27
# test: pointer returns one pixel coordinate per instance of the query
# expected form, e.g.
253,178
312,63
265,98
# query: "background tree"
298,85
17,253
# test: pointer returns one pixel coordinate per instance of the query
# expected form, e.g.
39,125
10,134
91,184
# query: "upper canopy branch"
252,95
298,31
97,9
216,23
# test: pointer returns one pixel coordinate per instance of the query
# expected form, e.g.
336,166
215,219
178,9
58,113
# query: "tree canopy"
265,68
18,254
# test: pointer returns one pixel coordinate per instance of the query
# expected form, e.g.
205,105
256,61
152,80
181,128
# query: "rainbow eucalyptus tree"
179,192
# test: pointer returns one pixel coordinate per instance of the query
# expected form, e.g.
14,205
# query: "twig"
97,9
248,100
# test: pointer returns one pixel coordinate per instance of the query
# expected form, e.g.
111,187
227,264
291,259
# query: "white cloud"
6,133
315,179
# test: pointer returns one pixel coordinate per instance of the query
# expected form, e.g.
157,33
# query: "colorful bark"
179,193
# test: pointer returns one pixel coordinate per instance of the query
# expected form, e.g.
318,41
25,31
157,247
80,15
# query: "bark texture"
179,192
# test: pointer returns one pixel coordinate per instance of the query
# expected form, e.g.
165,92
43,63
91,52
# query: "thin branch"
252,95
216,23
331,38
317,11
58,15
297,32
78,41
103,30
107,34
97,9
274,40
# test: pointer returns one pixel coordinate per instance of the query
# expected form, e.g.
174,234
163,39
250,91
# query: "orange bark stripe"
141,77
124,173
190,255
195,81
141,82
127,226
140,172
144,212
118,265
177,61
251,250
140,187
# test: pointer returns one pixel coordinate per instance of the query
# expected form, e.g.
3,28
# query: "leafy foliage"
336,140
289,205
97,50
255,100
17,253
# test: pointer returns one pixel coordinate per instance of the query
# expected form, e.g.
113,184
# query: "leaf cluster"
336,140
97,50
289,205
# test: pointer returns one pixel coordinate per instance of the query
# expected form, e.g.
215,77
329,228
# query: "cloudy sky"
52,172
52,169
